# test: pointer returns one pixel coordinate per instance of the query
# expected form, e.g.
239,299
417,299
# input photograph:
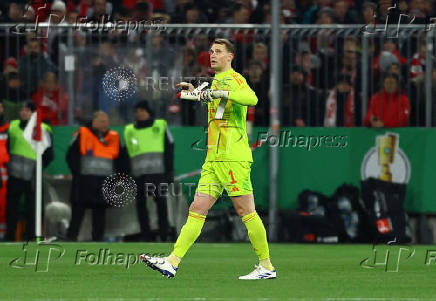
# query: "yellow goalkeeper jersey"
227,134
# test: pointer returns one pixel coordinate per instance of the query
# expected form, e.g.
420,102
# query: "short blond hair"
229,46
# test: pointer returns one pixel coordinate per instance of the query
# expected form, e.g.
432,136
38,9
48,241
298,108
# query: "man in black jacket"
94,155
303,105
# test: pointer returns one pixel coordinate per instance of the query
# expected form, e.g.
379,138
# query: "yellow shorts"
233,176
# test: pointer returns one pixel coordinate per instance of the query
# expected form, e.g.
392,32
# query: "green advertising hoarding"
319,159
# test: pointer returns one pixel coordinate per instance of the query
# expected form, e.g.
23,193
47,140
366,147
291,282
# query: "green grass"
209,272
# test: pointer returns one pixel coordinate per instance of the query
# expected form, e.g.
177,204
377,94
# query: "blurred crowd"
217,11
322,77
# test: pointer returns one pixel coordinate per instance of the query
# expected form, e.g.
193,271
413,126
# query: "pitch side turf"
103,271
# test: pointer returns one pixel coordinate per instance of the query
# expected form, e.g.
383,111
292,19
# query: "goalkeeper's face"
220,57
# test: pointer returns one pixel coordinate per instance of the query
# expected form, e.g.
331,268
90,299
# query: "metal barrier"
314,59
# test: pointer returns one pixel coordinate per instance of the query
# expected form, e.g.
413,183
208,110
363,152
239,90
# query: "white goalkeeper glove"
209,95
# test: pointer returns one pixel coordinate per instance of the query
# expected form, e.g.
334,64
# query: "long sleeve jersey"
227,134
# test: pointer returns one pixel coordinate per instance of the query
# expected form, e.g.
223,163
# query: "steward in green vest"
151,154
21,172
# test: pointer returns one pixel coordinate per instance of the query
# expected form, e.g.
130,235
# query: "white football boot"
259,273
160,264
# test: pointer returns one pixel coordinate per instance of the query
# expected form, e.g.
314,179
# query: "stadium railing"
80,55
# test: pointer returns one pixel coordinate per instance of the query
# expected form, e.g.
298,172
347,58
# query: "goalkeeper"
227,166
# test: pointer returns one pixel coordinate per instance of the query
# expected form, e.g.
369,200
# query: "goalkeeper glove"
210,95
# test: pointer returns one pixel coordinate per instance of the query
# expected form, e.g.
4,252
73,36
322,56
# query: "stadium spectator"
11,89
58,11
193,14
303,105
259,82
106,59
349,64
12,94
204,63
369,11
32,66
101,11
260,54
15,13
93,155
223,16
179,11
143,11
418,9
418,90
84,7
311,15
72,17
326,16
417,68
150,147
200,42
56,36
341,107
266,17
387,56
12,43
289,11
188,62
9,65
240,14
343,13
309,62
389,107
21,173
188,67
51,100
4,159
29,14
136,61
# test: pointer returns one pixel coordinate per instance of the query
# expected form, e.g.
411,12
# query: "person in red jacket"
389,107
51,100
4,159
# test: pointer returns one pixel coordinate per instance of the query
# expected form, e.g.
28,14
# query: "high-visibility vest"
97,158
4,155
146,147
22,156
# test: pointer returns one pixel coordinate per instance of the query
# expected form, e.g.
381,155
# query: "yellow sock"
174,260
189,233
257,235
266,263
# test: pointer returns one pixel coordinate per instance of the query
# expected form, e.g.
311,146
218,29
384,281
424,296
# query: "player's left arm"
242,94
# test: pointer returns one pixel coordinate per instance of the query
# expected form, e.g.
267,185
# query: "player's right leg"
206,195
168,266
